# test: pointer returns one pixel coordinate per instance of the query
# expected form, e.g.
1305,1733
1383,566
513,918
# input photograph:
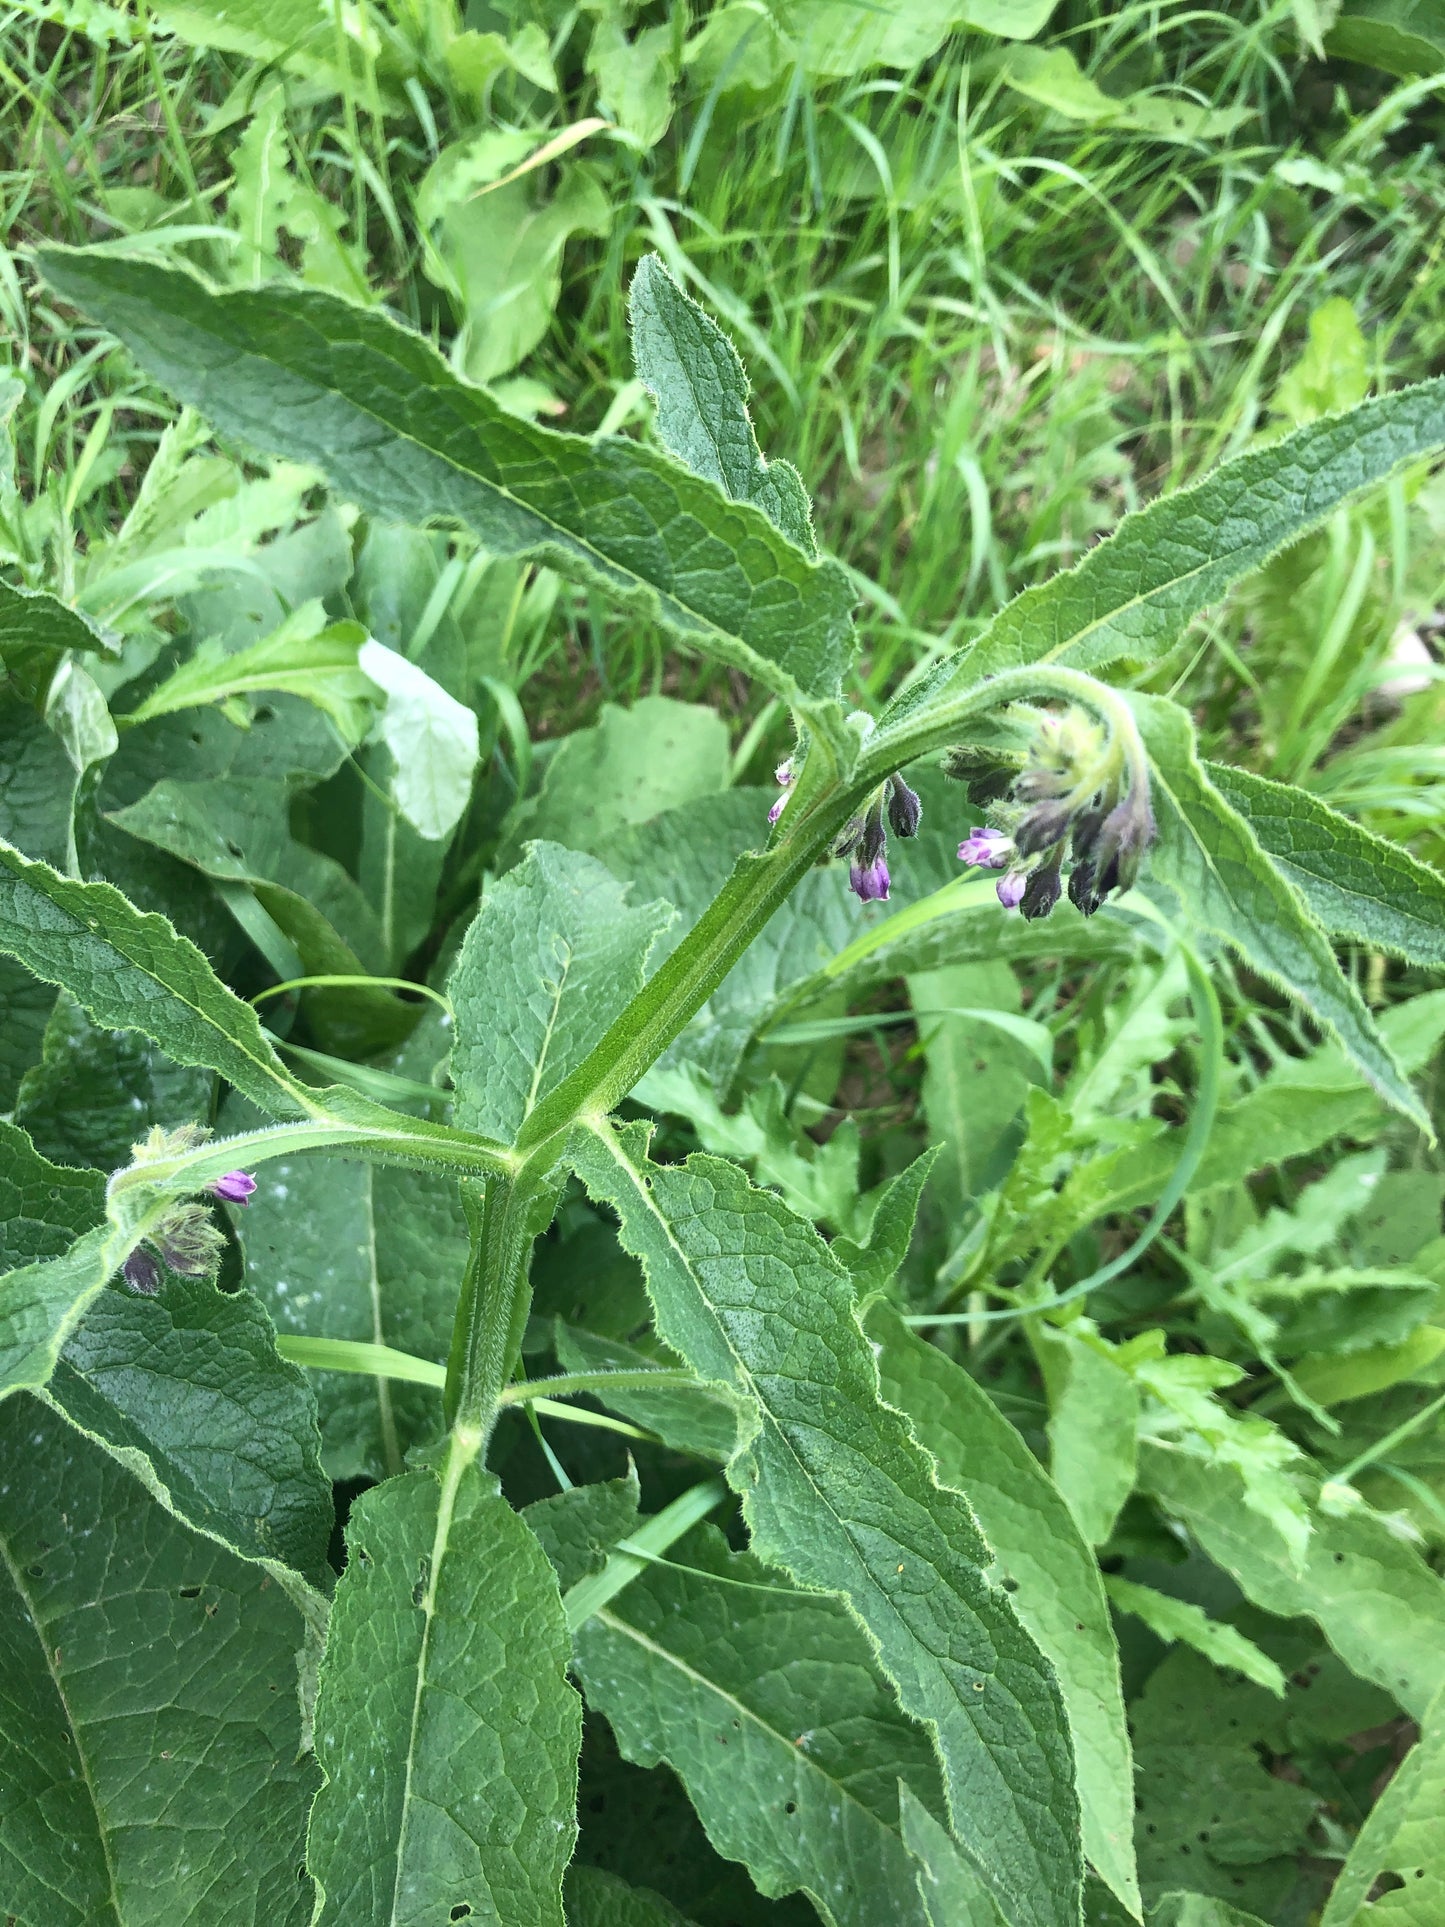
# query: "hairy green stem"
504,1215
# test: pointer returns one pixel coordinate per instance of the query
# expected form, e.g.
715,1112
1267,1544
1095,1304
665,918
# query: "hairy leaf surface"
1358,885
1208,855
150,1733
1055,1583
309,376
837,1493
554,954
766,1704
444,1724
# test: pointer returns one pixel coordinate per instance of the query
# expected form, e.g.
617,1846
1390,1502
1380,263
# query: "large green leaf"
697,380
1208,855
305,374
1369,1591
445,1724
631,765
555,953
340,1249
766,1704
837,1493
1131,597
151,1770
38,783
187,1389
1051,1573
1403,1838
132,971
1358,885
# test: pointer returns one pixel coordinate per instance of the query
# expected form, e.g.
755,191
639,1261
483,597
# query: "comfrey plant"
861,1708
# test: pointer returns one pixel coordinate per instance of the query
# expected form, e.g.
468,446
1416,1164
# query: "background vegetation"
992,293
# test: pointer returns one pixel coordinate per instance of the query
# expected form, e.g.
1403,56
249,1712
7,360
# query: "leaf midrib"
608,1618
767,670
23,1593
825,1504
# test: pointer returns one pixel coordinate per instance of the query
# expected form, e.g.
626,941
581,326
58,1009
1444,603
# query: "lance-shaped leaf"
1403,1838
1058,1594
951,1892
150,1735
305,374
1131,597
1358,885
697,379
767,1705
555,953
837,1493
131,970
445,1723
35,632
1208,855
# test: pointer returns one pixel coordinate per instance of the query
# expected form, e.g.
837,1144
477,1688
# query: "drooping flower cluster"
1080,793
186,1239
864,839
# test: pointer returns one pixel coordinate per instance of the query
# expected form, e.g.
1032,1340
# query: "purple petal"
869,881
1011,889
776,811
987,849
234,1188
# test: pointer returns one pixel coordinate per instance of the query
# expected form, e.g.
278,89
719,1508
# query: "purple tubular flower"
1010,889
869,881
234,1188
989,849
142,1273
776,811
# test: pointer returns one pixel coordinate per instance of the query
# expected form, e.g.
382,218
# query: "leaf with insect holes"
445,1723
1403,1839
700,387
1210,858
151,1744
766,1703
1131,598
1359,886
307,375
838,1494
554,954
1052,1573
1370,1592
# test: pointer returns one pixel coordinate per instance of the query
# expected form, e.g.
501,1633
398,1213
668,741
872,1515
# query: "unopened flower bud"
234,1188
1041,892
142,1273
905,812
1010,888
1083,892
1044,826
189,1242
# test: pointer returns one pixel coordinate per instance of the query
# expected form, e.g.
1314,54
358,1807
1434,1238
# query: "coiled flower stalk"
1079,793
